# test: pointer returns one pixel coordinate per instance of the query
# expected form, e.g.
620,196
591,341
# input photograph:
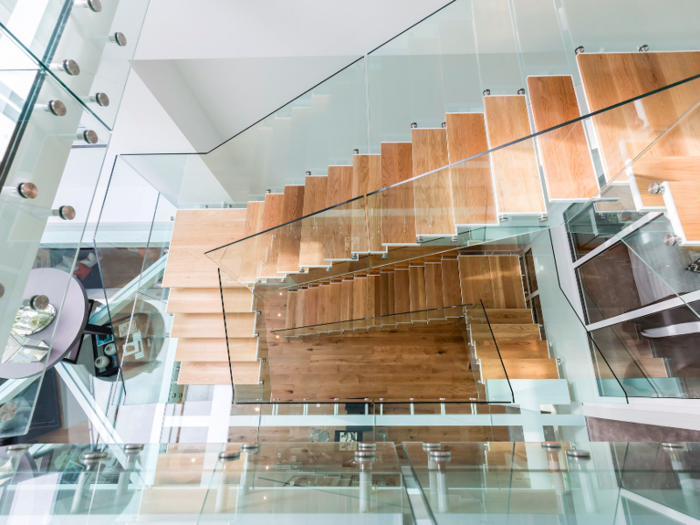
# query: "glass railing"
443,64
557,482
53,154
86,46
437,211
359,476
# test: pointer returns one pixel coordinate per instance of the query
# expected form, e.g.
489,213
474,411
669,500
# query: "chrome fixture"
56,107
100,98
643,48
655,188
414,125
69,66
486,92
356,152
88,136
521,91
118,38
93,5
25,190
579,50
671,240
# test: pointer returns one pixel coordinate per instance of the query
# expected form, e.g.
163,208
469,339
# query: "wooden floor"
423,362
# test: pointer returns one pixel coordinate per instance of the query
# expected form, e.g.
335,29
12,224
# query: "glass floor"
343,483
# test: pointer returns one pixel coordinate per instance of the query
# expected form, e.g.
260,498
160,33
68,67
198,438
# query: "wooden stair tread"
416,287
508,315
433,290
269,243
495,280
199,373
245,256
506,332
195,232
683,199
519,368
337,224
567,162
290,239
451,289
398,224
215,350
208,300
432,194
610,78
648,170
515,172
212,325
312,228
510,352
471,181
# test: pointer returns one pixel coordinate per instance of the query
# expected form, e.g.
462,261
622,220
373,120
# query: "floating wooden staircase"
195,301
521,178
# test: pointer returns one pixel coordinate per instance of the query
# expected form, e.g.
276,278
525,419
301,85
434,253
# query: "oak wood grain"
269,243
517,179
567,163
398,224
290,235
337,237
471,181
312,228
432,194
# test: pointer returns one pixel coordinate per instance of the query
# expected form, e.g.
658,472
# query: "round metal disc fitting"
486,92
28,190
57,107
102,99
521,91
38,302
579,50
119,39
432,446
551,445
578,454
89,136
93,456
673,445
671,240
440,454
367,446
67,213
133,447
643,48
18,448
364,454
71,67
654,188
95,5
229,455
250,446
2,291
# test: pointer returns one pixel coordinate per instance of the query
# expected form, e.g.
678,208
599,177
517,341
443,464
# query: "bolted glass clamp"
308,174
672,240
55,107
356,152
37,302
521,91
67,213
24,190
101,99
486,92
655,188
93,5
88,136
444,125
414,125
118,38
69,67
579,50
643,48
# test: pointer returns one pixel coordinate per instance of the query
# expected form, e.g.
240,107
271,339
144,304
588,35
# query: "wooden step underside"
212,325
199,373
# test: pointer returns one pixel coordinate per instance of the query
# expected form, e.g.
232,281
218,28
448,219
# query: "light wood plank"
685,202
514,167
451,289
475,280
300,314
416,277
312,297
208,300
514,350
292,305
215,350
244,256
611,78
433,290
312,228
398,216
432,194
493,279
212,325
568,167
359,299
366,224
520,368
509,315
290,235
505,332
648,170
386,306
507,282
195,232
334,306
197,373
346,299
272,218
374,299
471,181
402,295
337,237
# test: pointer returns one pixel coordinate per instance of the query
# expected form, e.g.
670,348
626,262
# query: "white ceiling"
218,66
